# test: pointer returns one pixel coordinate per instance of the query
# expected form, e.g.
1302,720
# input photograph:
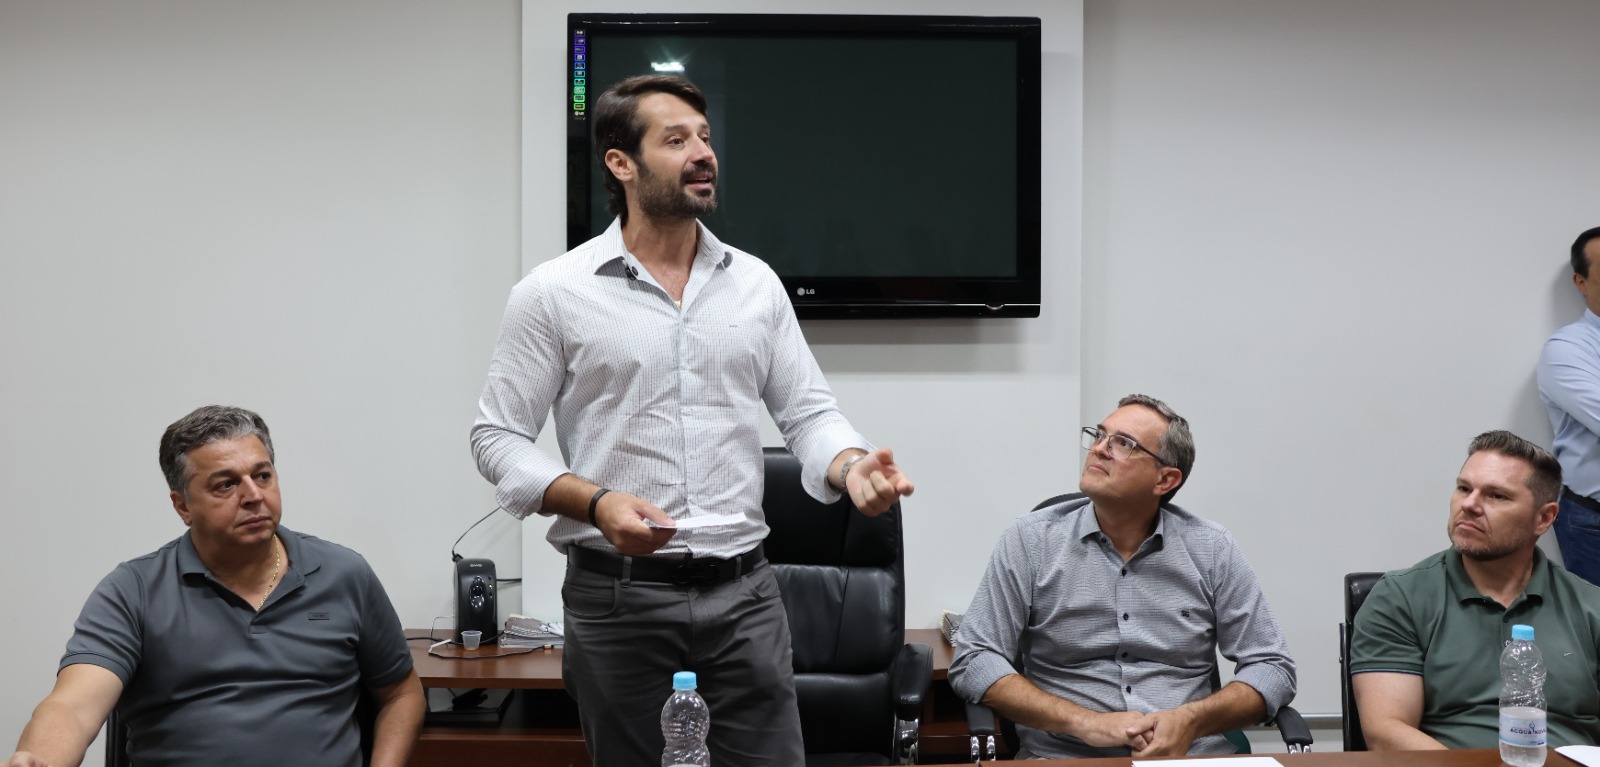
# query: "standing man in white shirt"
655,345
1569,386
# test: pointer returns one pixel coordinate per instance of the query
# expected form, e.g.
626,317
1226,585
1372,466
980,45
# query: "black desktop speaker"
475,605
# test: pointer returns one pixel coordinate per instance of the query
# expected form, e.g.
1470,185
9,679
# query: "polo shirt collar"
612,256
301,560
1462,588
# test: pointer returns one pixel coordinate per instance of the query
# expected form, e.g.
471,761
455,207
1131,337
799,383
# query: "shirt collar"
300,559
611,256
1462,588
1590,319
1087,526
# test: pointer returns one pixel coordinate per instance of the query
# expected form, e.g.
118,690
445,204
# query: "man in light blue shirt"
1569,385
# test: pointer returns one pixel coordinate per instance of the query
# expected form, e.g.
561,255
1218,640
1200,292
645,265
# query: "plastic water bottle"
1522,713
685,720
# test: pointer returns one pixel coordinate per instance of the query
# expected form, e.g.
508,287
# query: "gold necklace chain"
277,566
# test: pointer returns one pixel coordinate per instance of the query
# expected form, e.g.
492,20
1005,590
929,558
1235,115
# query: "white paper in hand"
703,520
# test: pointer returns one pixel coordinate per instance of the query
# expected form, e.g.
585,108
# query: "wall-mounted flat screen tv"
884,166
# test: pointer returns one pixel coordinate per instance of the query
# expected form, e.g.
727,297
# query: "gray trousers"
624,641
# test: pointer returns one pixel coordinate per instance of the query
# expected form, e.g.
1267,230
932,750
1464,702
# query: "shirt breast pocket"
316,641
733,354
1184,635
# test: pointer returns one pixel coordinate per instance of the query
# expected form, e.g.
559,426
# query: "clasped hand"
1159,733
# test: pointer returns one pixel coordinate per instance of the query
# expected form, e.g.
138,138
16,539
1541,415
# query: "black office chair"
1356,588
983,725
116,741
842,577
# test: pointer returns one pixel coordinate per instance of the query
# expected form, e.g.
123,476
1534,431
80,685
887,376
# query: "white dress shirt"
650,399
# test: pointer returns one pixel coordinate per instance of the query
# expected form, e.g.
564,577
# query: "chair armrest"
910,678
1293,728
980,720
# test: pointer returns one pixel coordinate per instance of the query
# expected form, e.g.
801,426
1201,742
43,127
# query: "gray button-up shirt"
650,399
1059,605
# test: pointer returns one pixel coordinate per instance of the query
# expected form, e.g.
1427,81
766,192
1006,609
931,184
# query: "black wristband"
593,502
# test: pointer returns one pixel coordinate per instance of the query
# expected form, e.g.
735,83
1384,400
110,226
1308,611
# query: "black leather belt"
683,571
1582,500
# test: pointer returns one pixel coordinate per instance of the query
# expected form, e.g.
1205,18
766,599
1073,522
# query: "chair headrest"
1356,588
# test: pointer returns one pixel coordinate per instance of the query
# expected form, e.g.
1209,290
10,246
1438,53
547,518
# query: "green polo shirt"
1430,620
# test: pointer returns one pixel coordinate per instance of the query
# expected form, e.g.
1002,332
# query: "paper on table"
704,520
1234,761
1589,756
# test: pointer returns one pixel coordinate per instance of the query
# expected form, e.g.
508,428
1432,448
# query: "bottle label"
1522,726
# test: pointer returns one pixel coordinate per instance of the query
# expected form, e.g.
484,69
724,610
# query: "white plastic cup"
470,639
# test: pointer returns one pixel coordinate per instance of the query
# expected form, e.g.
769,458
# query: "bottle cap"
1522,632
685,680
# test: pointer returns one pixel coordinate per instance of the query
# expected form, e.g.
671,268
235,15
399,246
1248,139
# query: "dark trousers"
624,641
1578,531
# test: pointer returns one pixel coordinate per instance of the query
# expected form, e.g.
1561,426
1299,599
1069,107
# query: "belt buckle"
695,574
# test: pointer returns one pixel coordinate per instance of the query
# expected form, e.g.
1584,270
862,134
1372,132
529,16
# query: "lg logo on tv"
805,291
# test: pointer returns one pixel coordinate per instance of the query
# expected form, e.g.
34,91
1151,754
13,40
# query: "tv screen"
884,166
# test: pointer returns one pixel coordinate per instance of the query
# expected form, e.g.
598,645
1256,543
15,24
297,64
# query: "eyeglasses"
1122,445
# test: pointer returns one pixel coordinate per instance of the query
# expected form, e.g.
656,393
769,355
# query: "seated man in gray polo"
1097,625
239,643
1426,644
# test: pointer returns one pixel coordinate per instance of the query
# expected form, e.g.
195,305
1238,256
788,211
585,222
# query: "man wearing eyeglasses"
1097,625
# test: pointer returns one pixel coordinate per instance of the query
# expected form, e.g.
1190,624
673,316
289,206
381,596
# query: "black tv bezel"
849,297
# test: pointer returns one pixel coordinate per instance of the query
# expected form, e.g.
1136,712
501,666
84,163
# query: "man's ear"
1546,517
620,164
1170,478
181,505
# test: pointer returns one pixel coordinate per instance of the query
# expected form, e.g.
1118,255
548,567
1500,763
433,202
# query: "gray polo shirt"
210,681
1430,620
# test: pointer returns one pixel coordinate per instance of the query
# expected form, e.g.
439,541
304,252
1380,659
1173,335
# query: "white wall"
981,413
305,208
313,210
1333,235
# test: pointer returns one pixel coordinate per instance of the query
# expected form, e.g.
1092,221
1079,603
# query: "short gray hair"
1176,447
1544,481
205,425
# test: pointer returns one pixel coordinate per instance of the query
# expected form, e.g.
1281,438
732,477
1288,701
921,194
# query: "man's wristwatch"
844,471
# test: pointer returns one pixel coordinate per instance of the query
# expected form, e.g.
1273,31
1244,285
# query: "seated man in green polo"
1426,644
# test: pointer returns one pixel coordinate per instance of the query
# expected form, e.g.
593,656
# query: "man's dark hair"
205,425
1580,262
1176,447
617,124
1545,479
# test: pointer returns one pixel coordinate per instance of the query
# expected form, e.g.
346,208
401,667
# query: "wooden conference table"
540,728
1478,758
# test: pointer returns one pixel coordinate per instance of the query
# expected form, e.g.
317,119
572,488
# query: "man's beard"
666,199
1489,550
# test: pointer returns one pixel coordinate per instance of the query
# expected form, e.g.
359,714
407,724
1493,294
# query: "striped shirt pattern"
650,399
1109,635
